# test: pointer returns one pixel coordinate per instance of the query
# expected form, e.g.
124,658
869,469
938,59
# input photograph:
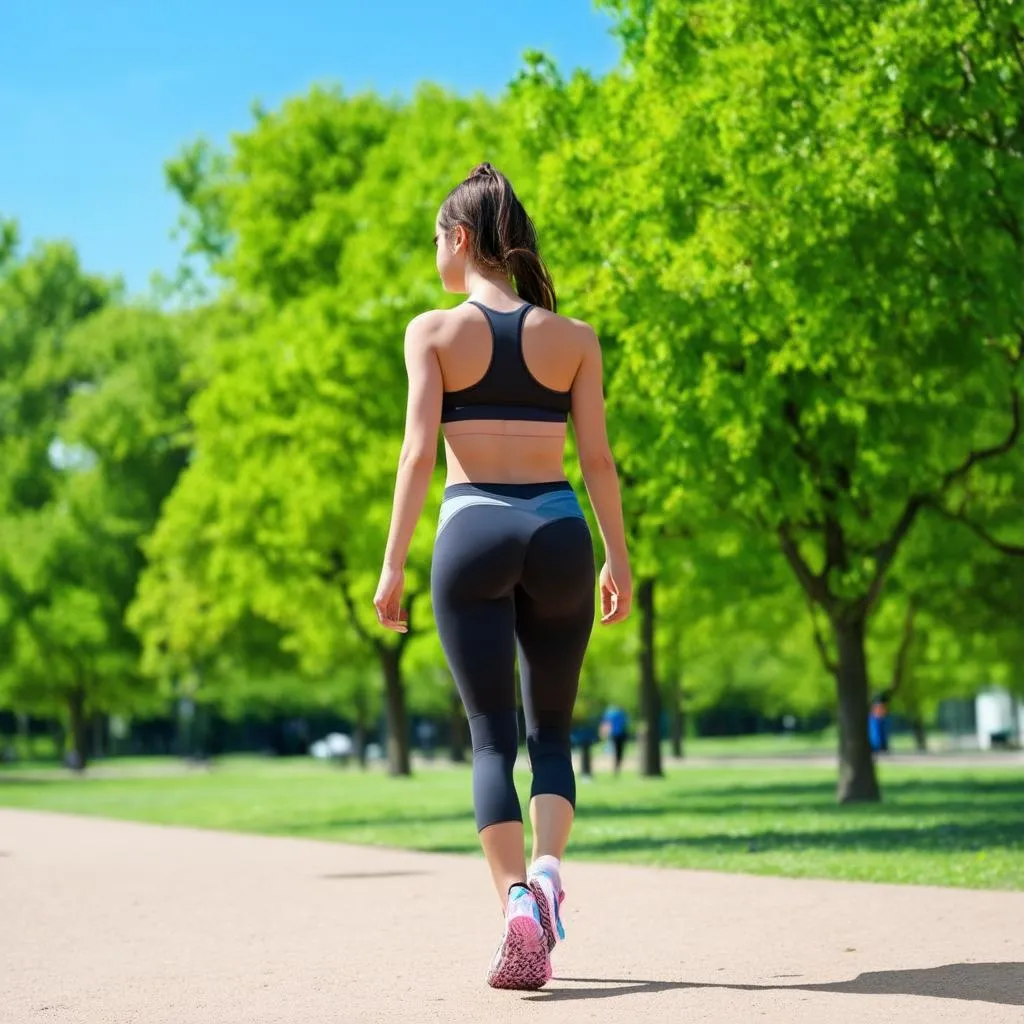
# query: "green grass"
824,743
943,826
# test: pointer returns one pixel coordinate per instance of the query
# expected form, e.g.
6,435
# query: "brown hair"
501,235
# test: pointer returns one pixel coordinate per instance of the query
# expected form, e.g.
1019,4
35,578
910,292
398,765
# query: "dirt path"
109,923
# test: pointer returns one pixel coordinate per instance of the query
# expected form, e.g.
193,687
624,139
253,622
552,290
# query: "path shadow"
951,798
986,983
999,983
606,988
344,876
942,837
825,788
704,803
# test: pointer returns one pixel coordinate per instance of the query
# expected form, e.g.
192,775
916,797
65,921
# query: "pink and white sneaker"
546,885
521,961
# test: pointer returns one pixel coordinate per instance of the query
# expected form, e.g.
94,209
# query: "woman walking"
513,564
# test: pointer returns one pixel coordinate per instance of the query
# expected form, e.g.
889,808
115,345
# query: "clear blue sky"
95,96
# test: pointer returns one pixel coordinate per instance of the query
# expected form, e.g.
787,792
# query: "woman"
513,561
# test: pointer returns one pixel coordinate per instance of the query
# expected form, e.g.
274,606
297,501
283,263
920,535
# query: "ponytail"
532,279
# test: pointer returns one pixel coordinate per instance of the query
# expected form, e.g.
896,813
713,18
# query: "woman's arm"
601,478
419,447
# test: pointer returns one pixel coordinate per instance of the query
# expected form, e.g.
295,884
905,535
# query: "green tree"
92,403
819,257
320,223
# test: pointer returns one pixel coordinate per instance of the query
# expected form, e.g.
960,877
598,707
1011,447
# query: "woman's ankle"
546,862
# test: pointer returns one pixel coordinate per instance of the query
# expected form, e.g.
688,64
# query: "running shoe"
522,960
546,886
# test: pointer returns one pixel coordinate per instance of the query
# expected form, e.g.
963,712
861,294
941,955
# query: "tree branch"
957,131
973,458
886,551
900,667
1013,550
831,666
1002,215
1016,37
814,586
835,540
339,572
835,545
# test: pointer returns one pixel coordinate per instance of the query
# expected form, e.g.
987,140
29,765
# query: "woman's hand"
388,599
616,592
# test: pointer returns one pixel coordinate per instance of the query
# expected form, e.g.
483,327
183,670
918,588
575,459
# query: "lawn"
956,826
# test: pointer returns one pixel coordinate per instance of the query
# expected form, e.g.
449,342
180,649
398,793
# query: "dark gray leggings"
514,567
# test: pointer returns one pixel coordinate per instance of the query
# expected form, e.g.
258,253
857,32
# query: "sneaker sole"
523,963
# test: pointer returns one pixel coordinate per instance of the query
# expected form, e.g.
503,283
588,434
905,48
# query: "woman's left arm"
415,463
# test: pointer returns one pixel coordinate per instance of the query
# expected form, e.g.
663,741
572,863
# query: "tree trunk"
586,759
920,733
399,762
79,727
677,714
457,731
650,698
857,779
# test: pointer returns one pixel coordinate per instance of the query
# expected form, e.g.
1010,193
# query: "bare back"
512,450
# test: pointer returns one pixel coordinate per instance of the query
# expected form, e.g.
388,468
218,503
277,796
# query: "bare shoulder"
431,328
585,335
577,333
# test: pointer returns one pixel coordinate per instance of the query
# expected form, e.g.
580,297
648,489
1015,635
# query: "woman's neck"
490,289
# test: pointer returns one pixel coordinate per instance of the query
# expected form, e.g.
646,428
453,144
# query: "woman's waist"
502,461
525,490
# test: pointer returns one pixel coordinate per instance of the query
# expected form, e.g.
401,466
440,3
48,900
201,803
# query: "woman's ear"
460,239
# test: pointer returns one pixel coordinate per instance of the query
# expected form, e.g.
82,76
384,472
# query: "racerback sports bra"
507,390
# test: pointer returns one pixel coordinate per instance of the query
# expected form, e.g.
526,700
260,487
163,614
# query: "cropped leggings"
513,568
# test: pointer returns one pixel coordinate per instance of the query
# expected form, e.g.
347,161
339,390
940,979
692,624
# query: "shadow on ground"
951,800
1001,983
939,838
936,795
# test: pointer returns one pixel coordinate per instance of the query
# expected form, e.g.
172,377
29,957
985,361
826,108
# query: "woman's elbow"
418,460
597,462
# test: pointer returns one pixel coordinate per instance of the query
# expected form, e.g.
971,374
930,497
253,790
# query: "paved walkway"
113,923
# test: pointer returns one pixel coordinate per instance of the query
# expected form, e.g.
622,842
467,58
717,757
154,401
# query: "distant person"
615,729
513,561
878,724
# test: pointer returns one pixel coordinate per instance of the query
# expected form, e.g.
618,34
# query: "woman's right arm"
601,478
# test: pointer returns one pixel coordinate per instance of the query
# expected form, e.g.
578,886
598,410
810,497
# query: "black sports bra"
507,390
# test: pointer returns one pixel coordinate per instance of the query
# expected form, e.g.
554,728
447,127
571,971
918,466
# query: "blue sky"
95,96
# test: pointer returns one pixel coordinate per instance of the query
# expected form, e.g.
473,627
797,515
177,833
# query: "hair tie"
484,170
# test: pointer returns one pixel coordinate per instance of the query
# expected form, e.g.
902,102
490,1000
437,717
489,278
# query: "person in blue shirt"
615,727
878,724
